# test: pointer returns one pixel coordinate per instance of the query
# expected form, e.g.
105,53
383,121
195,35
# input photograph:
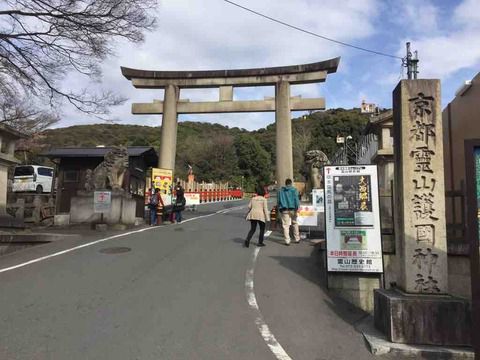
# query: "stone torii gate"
226,80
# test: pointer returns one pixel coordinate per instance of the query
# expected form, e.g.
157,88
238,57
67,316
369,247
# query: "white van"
32,178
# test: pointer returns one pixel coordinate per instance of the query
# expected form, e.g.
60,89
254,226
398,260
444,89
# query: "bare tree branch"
41,41
23,116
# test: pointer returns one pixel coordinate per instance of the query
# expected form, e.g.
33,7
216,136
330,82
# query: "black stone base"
422,319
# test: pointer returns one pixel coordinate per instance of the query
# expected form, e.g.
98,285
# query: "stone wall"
357,289
459,282
460,122
122,210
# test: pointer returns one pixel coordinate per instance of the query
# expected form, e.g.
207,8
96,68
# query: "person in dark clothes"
179,206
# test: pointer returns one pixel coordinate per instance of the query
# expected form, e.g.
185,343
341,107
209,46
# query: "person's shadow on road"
239,240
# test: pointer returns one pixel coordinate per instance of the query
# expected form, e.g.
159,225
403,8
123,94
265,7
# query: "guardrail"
207,196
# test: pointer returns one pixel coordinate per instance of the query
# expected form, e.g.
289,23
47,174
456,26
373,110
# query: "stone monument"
419,311
8,138
107,176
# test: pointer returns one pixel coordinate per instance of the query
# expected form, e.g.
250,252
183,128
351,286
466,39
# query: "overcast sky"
212,34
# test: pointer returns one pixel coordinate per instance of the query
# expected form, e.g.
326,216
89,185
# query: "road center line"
33,261
263,328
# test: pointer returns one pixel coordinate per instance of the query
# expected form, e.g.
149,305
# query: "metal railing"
367,147
353,153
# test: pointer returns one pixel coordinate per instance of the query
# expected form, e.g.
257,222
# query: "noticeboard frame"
168,197
101,208
381,273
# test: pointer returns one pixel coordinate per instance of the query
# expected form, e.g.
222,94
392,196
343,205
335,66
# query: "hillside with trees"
217,152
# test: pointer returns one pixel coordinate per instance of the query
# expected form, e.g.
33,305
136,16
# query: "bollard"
273,218
159,215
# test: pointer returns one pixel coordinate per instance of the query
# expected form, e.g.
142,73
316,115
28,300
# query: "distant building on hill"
368,108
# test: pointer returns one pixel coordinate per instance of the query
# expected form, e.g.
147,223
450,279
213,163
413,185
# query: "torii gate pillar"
283,127
168,143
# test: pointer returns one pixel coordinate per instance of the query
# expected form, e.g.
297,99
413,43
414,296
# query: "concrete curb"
378,344
11,243
35,237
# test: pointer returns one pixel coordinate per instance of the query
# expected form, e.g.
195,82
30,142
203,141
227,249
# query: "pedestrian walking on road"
288,204
179,189
258,215
179,206
154,202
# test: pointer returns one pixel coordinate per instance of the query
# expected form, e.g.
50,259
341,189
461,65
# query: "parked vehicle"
32,178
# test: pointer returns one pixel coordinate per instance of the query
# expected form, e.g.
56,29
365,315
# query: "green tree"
254,162
212,159
330,124
218,153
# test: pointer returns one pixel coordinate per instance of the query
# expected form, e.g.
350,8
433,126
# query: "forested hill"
217,152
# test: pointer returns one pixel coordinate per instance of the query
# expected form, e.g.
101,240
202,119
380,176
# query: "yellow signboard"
163,179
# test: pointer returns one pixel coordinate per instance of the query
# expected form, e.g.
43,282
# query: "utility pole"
411,63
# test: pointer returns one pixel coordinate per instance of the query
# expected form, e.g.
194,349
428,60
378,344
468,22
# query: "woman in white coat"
258,215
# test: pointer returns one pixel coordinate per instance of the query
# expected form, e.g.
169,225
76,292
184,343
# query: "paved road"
178,294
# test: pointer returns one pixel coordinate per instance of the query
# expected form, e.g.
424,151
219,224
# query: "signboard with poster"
192,198
352,219
102,201
163,179
307,216
318,200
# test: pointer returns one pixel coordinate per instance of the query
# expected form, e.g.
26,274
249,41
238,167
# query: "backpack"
154,199
180,205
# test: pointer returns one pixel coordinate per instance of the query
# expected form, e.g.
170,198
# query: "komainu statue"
315,160
108,174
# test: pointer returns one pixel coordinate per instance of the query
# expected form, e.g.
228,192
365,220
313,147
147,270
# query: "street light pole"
349,137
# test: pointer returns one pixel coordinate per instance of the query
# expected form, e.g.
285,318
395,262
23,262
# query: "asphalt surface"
178,293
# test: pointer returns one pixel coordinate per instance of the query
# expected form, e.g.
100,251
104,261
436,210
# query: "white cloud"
443,53
468,13
412,15
211,34
442,56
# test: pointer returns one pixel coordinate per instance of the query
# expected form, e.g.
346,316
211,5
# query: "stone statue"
109,173
315,160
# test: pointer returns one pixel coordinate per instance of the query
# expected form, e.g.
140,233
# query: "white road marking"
33,261
263,328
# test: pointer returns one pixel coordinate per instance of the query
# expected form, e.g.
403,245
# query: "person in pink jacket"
258,215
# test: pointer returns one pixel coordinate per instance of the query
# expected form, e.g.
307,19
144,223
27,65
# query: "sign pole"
102,203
